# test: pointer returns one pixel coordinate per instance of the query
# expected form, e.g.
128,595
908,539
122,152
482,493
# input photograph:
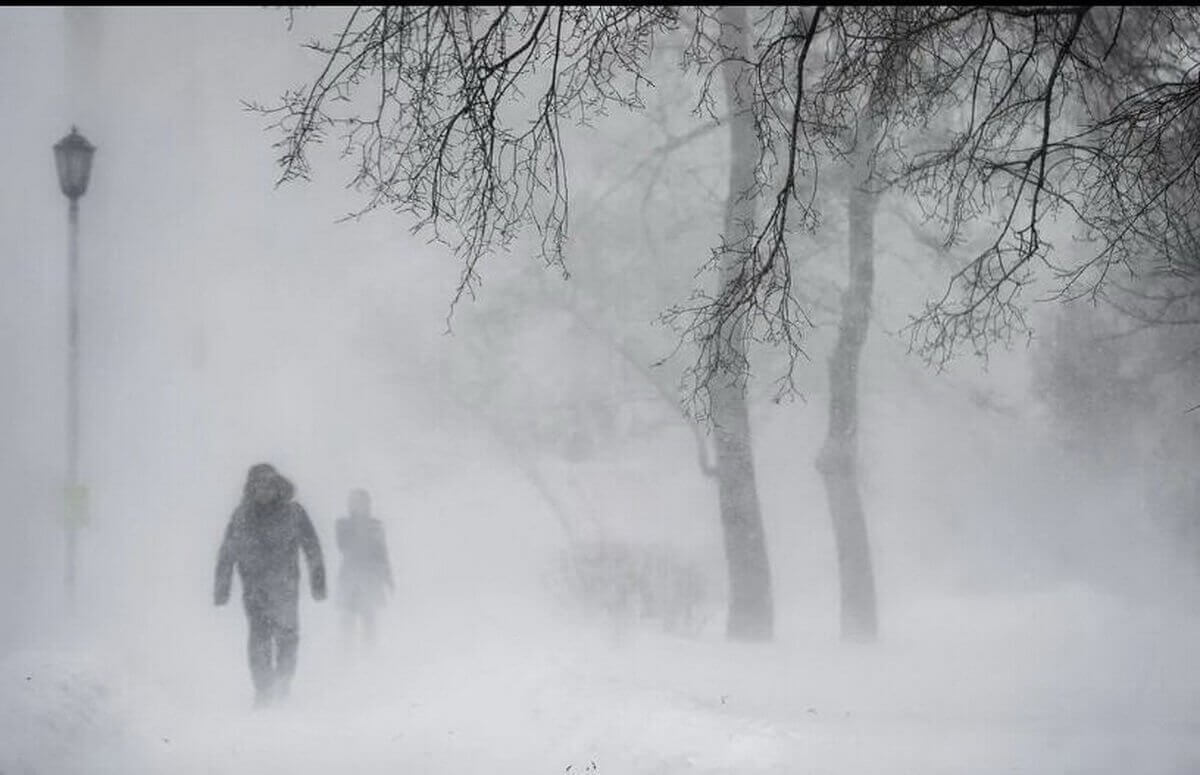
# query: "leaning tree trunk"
838,459
751,609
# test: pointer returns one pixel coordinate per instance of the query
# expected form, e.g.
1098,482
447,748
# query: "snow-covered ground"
1061,682
479,669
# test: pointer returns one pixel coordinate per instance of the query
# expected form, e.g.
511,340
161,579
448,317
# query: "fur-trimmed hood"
284,489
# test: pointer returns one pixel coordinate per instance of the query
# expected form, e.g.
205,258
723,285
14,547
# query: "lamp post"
73,158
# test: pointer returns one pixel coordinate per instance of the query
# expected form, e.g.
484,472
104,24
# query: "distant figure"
366,572
266,533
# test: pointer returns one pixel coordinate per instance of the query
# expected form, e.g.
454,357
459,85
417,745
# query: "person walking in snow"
366,573
265,535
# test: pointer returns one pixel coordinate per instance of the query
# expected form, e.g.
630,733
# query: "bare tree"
837,461
434,105
455,116
1051,113
1077,116
431,102
1021,116
1017,115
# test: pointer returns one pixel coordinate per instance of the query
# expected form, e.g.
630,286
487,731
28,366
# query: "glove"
318,585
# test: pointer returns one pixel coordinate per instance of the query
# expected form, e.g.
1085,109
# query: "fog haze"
1036,615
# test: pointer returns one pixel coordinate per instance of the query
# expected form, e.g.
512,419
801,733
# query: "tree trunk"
751,609
838,459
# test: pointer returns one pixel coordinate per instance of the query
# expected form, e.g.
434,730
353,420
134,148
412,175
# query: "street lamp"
73,158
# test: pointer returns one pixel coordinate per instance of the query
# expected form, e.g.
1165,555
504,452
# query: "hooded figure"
366,572
265,535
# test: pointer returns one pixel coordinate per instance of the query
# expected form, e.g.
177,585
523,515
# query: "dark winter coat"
365,570
264,541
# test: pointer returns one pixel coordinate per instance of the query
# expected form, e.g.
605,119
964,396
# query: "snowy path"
475,700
